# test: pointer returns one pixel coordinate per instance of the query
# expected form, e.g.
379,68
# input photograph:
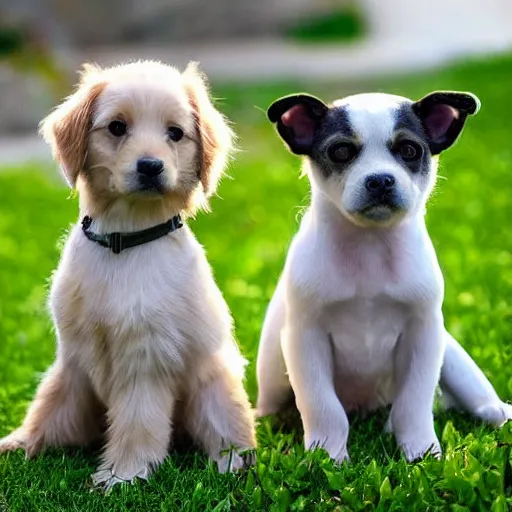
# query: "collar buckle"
116,242
86,222
176,222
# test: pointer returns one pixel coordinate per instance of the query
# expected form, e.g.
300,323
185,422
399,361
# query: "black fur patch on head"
408,121
336,121
336,124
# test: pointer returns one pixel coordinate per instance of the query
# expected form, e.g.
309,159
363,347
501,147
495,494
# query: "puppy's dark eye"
118,128
175,133
409,150
342,152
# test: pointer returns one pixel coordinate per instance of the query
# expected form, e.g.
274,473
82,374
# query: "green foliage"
246,237
343,25
11,40
26,52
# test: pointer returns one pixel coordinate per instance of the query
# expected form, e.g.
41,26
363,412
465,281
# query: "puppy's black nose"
150,166
378,184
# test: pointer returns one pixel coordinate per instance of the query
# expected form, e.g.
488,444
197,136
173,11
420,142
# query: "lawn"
246,238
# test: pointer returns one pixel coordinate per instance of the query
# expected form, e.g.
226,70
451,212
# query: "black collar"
119,241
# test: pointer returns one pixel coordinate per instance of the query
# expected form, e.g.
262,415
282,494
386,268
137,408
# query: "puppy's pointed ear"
67,128
298,116
215,136
443,114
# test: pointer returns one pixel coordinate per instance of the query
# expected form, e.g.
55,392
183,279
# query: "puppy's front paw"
341,456
11,443
496,414
19,439
418,448
234,461
333,445
106,477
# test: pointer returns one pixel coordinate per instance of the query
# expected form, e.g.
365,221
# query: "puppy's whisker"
262,110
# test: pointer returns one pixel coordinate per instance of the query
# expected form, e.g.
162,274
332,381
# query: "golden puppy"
144,334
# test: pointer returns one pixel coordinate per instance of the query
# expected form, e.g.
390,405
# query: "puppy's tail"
464,385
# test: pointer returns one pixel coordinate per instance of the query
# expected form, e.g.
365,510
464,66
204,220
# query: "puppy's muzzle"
380,192
380,186
381,197
149,172
150,167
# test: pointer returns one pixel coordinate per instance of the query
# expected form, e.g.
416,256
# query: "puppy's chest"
133,290
367,293
364,333
138,288
371,271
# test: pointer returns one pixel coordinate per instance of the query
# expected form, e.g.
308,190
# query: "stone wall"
99,22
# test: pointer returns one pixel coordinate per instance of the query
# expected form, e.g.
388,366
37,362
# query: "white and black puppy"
356,319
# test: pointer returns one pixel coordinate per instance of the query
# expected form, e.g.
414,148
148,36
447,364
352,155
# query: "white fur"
356,320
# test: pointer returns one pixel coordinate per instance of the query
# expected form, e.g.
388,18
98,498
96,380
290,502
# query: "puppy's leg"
219,417
308,354
65,411
139,425
273,384
468,387
417,367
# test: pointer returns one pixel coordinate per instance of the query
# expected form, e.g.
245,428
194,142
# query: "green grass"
246,238
342,25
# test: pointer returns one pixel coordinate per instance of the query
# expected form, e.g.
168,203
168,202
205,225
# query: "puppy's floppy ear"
215,136
443,114
66,129
298,116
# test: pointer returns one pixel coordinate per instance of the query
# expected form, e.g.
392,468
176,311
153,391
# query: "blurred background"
43,42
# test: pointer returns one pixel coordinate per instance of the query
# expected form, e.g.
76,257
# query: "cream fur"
145,331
